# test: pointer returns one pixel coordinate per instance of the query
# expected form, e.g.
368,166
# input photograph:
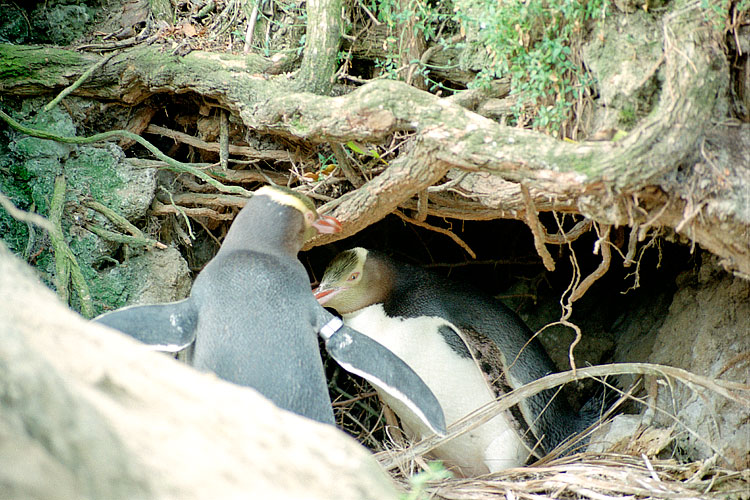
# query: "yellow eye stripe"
284,198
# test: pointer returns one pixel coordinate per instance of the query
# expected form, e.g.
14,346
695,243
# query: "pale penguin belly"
458,384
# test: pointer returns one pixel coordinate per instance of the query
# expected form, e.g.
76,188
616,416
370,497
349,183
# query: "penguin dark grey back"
358,280
250,312
257,305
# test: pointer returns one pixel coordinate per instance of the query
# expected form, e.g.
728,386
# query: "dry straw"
583,475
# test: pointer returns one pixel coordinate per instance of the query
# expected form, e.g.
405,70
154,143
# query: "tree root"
23,216
440,230
69,90
116,219
124,238
66,265
532,220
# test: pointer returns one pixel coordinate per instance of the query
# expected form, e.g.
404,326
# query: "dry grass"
599,477
635,474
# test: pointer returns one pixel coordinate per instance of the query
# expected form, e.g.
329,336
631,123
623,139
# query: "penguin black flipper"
362,356
166,327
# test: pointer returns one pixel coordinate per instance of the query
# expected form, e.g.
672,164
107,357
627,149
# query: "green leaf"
353,146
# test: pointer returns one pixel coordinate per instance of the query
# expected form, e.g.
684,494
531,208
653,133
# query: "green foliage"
372,152
418,482
528,40
327,165
716,11
426,17
627,117
531,41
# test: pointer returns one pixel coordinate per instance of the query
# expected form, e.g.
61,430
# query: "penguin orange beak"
327,225
324,295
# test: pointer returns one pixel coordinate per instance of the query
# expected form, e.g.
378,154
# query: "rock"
706,332
156,277
620,55
89,413
629,434
20,473
137,188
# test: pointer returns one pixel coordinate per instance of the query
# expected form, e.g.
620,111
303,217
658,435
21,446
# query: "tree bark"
321,46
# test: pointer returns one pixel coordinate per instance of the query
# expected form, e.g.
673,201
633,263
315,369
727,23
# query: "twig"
251,27
140,38
650,467
576,232
62,264
581,289
86,74
687,217
732,363
370,14
532,220
209,199
345,166
646,225
491,262
23,216
270,154
423,200
224,139
159,208
124,238
117,219
448,185
651,71
440,230
565,303
628,259
66,264
179,210
354,399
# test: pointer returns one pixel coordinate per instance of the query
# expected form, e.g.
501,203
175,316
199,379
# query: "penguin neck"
266,226
389,279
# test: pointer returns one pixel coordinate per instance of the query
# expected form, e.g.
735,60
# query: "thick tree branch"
321,46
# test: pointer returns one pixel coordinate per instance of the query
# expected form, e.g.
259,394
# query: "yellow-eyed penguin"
254,322
428,321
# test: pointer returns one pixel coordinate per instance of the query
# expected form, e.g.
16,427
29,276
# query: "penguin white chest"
456,381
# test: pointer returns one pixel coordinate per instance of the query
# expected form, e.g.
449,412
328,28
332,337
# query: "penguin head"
354,279
313,223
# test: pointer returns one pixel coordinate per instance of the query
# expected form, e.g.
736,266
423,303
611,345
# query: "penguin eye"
353,276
